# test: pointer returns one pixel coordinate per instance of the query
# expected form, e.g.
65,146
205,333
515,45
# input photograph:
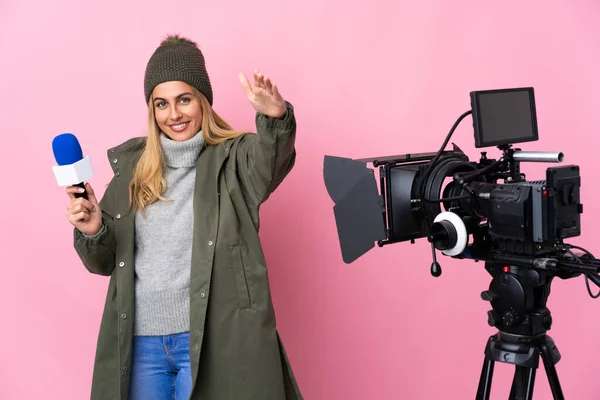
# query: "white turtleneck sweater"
163,245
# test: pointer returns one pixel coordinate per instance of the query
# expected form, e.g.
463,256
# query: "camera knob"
509,318
547,322
493,318
488,295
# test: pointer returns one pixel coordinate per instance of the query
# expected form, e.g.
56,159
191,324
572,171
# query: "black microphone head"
67,149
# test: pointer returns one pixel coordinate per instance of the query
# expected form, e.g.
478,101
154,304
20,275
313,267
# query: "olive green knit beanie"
177,59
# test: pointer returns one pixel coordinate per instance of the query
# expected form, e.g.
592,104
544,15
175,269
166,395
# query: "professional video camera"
516,227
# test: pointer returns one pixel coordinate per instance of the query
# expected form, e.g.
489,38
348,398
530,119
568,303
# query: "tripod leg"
487,371
485,380
522,386
550,366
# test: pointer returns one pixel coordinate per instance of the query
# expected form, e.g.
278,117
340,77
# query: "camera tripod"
518,297
524,353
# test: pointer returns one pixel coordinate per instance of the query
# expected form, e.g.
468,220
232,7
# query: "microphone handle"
84,194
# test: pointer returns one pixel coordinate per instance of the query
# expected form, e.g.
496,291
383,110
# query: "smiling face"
177,111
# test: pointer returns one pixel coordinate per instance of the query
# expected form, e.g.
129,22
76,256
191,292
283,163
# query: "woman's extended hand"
264,96
83,214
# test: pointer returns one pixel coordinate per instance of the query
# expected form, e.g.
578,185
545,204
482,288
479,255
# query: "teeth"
180,126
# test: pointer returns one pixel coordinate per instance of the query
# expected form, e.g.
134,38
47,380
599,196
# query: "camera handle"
436,268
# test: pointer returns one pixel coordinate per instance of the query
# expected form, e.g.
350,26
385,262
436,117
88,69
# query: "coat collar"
123,160
129,152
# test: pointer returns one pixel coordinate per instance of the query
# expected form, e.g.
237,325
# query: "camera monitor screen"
504,116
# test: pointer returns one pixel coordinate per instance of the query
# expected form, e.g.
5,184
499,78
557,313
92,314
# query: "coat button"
197,347
210,242
118,173
125,369
121,264
115,161
118,216
202,295
124,316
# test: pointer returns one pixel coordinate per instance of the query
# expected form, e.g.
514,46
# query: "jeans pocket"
239,274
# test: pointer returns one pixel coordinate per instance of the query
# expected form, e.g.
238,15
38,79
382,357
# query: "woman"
188,312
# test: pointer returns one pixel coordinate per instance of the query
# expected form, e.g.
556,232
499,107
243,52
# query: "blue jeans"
160,368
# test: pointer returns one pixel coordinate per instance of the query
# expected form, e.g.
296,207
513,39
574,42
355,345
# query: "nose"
174,114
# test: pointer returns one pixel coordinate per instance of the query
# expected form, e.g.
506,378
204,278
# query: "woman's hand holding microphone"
85,215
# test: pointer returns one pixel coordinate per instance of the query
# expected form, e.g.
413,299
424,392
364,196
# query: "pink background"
370,78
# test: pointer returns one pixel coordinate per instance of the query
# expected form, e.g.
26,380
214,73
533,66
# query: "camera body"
530,217
495,204
520,217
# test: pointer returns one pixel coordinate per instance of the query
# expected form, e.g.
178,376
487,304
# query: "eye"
185,100
160,104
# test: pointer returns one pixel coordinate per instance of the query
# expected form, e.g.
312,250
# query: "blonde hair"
148,183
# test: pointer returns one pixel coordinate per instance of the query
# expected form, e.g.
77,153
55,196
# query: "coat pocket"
239,274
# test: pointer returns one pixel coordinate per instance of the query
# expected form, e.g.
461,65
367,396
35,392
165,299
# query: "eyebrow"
181,95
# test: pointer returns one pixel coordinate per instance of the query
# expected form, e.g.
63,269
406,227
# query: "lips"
179,127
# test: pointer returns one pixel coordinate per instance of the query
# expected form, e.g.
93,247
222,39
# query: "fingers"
263,82
91,194
78,212
245,83
71,190
260,82
81,211
80,206
257,78
79,217
268,85
276,92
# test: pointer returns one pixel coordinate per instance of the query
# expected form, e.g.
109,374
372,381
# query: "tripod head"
518,298
519,290
518,294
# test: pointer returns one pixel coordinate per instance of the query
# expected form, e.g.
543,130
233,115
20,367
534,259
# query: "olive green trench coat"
235,350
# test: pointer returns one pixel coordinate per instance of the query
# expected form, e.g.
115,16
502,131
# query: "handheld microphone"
73,168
